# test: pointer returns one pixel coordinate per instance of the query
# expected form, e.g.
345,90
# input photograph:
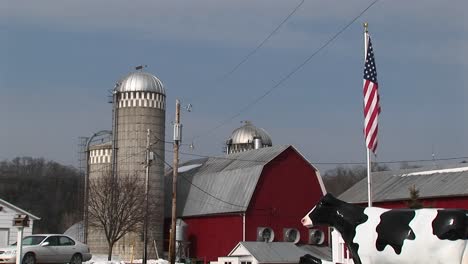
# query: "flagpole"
369,180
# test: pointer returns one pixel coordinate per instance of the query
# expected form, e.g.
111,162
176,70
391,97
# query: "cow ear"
329,198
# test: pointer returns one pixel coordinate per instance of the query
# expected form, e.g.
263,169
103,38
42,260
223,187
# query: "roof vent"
316,237
291,235
265,234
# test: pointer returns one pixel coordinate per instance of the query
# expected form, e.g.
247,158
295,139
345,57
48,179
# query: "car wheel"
76,259
29,258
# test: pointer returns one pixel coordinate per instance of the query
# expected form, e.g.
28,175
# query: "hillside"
47,189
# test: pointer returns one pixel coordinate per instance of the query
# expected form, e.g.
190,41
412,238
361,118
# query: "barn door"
4,232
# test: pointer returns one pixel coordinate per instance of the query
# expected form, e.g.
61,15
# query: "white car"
47,248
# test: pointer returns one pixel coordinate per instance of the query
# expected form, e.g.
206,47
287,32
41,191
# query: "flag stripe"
370,104
371,99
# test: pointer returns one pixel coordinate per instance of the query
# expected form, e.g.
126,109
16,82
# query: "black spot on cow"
309,259
451,224
393,229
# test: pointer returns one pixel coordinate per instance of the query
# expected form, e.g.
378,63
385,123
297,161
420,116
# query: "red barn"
228,199
439,187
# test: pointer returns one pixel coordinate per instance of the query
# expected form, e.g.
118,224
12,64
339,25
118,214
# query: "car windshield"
32,240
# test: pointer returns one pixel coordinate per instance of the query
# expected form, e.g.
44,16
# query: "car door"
48,251
67,248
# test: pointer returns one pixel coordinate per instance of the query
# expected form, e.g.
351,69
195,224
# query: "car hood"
7,248
11,248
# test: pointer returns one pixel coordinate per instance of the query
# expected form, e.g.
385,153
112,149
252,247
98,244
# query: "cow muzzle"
306,221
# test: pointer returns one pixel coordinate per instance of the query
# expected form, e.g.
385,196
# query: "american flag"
371,99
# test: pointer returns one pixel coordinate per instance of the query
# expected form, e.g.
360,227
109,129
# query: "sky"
59,60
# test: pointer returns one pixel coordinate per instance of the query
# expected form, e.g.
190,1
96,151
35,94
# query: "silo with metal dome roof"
139,105
247,137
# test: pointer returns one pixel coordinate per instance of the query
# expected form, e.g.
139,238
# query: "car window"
53,240
65,241
32,240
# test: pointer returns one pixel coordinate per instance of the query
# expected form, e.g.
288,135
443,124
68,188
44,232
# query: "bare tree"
341,178
116,206
405,165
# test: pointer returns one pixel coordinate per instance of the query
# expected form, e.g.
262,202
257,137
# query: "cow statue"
382,236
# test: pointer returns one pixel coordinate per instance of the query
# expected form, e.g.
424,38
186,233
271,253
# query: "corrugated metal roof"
393,185
321,252
274,252
221,184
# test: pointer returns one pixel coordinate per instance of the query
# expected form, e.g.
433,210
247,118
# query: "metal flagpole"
369,180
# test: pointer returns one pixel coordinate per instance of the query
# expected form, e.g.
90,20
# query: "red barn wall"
213,236
287,189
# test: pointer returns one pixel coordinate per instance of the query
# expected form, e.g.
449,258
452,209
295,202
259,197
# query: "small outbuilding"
263,253
9,232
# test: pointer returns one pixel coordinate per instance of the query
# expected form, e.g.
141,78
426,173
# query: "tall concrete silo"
139,105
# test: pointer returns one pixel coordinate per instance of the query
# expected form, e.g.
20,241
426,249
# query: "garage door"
3,237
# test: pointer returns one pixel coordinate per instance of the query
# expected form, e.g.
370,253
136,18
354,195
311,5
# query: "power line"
108,166
291,73
261,43
325,163
200,189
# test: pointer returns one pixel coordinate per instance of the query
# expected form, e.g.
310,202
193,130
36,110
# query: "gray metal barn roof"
393,185
218,185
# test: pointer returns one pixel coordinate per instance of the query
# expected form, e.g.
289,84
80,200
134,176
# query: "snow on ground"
102,259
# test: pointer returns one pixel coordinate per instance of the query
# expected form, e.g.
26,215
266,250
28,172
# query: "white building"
8,232
252,252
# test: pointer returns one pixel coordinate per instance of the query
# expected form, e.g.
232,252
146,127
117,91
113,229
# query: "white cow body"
383,236
427,248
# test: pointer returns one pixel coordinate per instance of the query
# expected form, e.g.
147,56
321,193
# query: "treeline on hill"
341,178
47,189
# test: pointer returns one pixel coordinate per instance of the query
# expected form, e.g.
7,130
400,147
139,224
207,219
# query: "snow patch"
436,171
102,259
188,167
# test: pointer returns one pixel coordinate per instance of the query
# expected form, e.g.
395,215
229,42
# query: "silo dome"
248,137
140,81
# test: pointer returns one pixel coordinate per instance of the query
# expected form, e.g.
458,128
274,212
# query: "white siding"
7,215
4,237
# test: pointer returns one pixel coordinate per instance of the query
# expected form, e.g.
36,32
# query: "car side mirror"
45,244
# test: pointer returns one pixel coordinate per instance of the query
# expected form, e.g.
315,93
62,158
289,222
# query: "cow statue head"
323,212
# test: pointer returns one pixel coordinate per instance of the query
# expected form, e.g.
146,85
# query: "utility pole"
177,141
145,224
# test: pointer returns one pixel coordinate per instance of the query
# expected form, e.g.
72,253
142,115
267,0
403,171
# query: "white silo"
99,165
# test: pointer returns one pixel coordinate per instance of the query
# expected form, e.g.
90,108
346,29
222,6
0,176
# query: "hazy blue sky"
59,59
